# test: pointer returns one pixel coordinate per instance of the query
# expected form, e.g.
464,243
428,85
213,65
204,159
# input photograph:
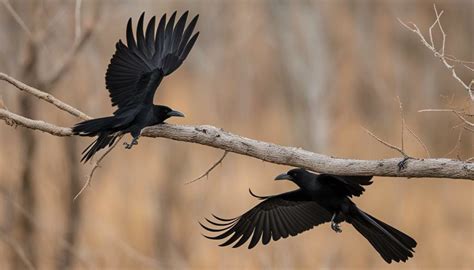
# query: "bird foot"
131,144
403,164
336,227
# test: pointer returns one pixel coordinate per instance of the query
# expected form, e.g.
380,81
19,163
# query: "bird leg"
132,143
334,225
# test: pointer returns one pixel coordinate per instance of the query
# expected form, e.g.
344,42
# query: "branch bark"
284,155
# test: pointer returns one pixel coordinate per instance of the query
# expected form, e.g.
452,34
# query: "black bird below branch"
133,75
319,199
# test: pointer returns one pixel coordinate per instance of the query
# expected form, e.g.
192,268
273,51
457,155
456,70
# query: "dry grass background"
301,73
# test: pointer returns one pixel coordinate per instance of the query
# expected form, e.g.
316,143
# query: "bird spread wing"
137,68
276,217
346,185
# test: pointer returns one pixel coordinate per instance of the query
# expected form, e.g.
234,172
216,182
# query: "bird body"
320,198
133,75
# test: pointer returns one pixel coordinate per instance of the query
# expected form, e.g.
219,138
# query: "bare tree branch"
400,105
291,156
17,248
18,19
77,19
461,115
441,53
458,143
65,64
96,165
80,39
419,141
13,119
208,171
44,96
396,148
404,125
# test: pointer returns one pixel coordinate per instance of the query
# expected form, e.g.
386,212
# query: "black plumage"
319,199
133,75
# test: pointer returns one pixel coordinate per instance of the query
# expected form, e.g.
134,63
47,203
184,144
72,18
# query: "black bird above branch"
133,75
319,199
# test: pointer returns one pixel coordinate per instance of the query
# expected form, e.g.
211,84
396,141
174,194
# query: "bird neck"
159,113
306,184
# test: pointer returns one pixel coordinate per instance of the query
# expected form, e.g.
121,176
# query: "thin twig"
42,226
469,129
458,143
462,62
17,248
206,173
77,20
80,39
96,165
2,104
433,25
18,19
461,115
441,53
438,22
405,126
420,142
68,59
403,120
396,148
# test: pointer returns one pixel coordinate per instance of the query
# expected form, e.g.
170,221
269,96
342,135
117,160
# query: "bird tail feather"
105,139
94,126
101,127
389,242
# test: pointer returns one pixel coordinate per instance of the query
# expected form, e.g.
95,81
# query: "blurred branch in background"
31,73
440,53
216,137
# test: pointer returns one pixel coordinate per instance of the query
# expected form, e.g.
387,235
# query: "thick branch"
297,157
291,156
13,119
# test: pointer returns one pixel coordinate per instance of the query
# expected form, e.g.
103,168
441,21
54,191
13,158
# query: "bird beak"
283,176
175,113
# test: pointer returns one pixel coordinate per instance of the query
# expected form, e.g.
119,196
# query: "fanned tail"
389,242
105,139
94,127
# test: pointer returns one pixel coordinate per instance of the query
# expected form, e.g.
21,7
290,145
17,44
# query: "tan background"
302,73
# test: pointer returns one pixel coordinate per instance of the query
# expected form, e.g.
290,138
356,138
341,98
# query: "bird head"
164,112
294,175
